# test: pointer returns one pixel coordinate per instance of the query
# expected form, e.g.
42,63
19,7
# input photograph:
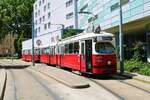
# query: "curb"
139,79
134,76
77,86
3,83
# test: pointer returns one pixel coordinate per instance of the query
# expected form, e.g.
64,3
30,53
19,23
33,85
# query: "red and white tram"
86,52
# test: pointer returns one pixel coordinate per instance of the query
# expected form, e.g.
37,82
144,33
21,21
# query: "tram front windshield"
104,48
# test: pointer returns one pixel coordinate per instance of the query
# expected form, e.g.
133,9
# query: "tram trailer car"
27,52
44,57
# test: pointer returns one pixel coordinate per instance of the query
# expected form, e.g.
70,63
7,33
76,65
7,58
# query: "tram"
89,53
27,55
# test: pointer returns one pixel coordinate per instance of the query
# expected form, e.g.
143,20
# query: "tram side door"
83,58
86,55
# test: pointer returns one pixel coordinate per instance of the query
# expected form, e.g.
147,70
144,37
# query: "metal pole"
121,41
62,31
33,62
11,46
76,13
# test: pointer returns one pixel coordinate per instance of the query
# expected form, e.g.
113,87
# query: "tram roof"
84,36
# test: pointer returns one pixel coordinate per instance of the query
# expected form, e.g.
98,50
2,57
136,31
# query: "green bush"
140,67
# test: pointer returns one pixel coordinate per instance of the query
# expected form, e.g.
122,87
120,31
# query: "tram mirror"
95,39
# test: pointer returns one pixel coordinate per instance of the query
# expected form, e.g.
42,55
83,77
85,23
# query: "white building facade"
49,17
49,14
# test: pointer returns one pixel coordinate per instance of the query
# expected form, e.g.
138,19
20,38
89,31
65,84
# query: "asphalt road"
26,84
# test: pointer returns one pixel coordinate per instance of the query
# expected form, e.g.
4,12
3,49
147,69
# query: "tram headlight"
109,62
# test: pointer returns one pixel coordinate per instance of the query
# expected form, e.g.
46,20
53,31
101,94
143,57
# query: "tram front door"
86,55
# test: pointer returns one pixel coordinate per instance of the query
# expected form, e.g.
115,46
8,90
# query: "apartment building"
136,18
50,14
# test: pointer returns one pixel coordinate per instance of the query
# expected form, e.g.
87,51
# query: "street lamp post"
11,46
121,40
33,62
93,17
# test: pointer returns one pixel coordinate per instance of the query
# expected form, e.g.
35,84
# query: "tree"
70,32
12,14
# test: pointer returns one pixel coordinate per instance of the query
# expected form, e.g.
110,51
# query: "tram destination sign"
108,38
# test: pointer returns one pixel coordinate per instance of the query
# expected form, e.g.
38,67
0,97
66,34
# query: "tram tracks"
112,90
134,86
109,90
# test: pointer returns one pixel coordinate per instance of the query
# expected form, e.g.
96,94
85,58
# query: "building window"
70,27
116,5
36,22
40,20
38,12
49,25
35,14
35,6
43,1
68,3
84,7
49,15
52,39
39,3
123,2
48,6
39,29
70,15
45,8
36,31
45,26
43,18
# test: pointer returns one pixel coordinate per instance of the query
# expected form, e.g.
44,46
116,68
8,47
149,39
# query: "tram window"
50,49
53,50
104,47
47,50
71,48
62,49
28,52
66,49
42,51
82,48
76,48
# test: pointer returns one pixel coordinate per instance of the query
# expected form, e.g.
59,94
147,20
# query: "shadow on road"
108,77
13,66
